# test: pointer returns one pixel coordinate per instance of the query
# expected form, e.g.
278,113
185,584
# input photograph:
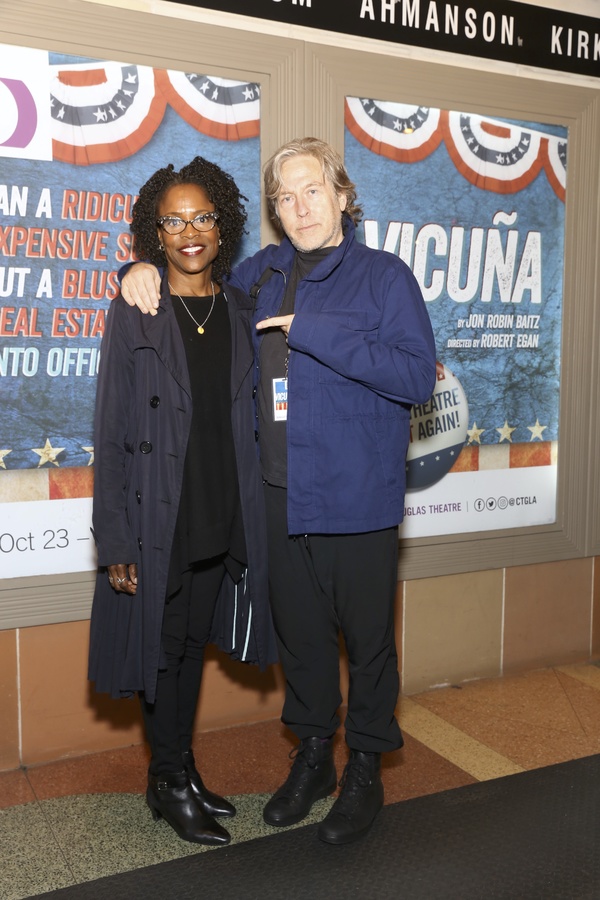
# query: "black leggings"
187,621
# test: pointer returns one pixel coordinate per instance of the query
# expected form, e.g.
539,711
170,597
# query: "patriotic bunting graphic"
402,132
228,110
494,155
106,111
555,165
103,112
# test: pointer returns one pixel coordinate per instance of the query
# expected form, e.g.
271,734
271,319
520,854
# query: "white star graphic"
505,433
47,453
89,450
3,453
536,431
475,433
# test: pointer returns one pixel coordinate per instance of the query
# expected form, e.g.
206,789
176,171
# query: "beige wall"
449,629
49,711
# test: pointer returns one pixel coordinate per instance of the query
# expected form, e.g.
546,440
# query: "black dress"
209,521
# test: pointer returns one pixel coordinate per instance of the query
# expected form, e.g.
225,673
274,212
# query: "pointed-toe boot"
360,799
211,803
170,797
312,777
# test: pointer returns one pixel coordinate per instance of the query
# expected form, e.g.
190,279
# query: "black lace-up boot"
171,798
360,800
211,803
311,778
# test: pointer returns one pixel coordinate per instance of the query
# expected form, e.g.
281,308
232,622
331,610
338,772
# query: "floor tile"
417,770
589,674
31,858
108,772
472,756
15,788
527,718
584,698
75,820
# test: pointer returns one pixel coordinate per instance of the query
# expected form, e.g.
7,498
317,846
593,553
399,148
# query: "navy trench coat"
142,424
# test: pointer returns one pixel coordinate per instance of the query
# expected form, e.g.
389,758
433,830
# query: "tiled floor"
74,821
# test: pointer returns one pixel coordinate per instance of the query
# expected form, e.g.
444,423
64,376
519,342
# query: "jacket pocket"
361,322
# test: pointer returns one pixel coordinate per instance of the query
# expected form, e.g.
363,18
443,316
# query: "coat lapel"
162,334
240,309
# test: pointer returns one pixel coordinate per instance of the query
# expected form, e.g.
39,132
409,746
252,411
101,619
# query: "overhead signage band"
496,29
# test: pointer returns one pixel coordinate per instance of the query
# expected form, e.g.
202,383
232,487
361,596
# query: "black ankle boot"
360,800
171,797
209,802
311,778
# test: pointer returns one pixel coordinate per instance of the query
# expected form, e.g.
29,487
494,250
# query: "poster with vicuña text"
475,206
78,138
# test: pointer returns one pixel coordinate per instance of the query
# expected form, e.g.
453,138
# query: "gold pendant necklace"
199,326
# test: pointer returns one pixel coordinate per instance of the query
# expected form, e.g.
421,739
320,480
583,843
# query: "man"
344,348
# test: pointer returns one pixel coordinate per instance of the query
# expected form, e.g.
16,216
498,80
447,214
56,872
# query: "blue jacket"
362,353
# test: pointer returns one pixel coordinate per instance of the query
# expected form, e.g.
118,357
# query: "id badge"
280,399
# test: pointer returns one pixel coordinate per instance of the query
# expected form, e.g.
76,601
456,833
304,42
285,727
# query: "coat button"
146,447
154,402
138,496
140,543
256,435
253,393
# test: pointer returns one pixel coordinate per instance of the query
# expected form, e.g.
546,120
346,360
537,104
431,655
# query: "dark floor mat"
531,836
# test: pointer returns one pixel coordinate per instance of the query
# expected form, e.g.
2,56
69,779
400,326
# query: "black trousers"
169,721
321,585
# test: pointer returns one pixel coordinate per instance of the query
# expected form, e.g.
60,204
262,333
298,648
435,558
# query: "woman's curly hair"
222,191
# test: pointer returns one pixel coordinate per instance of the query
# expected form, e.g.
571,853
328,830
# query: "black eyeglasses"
175,224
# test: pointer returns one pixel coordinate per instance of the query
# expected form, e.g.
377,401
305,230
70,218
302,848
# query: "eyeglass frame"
207,215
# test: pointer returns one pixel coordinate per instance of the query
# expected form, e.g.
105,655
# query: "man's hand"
123,578
283,322
141,287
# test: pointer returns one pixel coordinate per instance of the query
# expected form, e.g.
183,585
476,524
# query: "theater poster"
475,206
78,138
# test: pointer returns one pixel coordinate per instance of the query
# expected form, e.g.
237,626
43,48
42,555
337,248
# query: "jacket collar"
167,341
326,267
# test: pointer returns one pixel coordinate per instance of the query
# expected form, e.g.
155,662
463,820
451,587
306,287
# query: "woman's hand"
141,287
123,578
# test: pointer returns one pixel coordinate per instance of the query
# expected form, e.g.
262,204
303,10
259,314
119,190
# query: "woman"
178,515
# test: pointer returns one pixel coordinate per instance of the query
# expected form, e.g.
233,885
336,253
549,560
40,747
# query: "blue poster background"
517,385
37,406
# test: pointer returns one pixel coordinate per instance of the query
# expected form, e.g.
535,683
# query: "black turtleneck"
273,364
